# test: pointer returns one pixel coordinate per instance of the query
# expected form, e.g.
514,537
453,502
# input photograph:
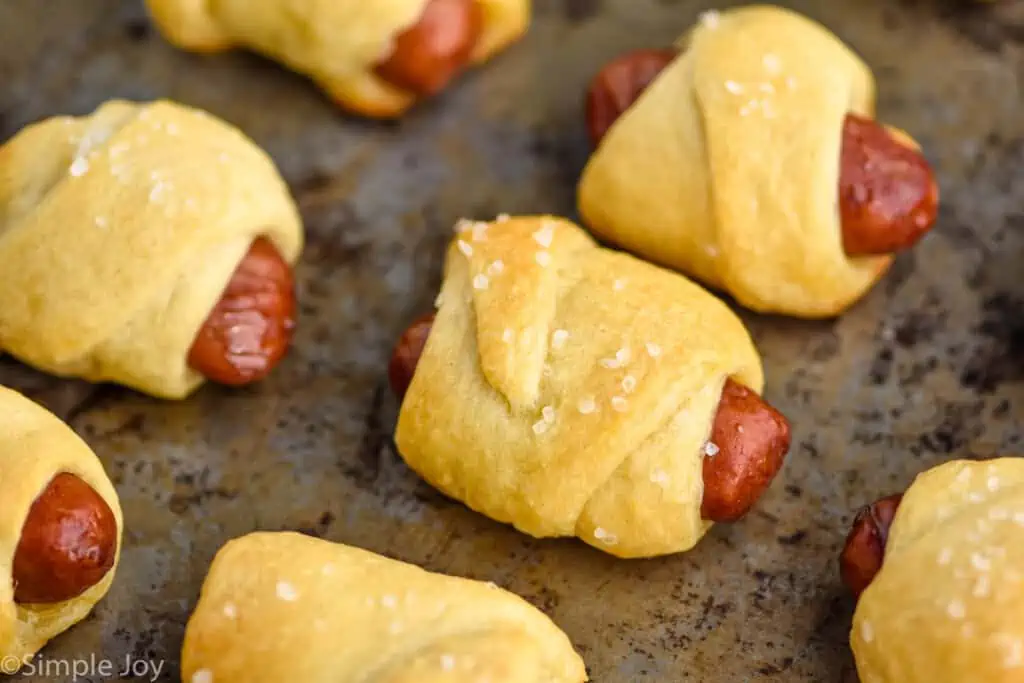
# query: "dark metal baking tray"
930,366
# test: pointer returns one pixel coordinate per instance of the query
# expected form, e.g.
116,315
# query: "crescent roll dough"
287,607
727,167
569,390
34,447
337,43
948,603
119,232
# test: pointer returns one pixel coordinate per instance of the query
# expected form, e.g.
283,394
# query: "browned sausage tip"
248,332
617,86
68,543
749,442
431,53
888,197
864,551
406,354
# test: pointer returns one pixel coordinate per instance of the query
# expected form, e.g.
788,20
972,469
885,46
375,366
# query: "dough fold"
569,390
119,232
727,167
35,446
337,43
947,605
286,607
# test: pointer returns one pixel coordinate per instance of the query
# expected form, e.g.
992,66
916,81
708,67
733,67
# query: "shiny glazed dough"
118,234
35,447
727,167
948,604
569,390
286,607
337,43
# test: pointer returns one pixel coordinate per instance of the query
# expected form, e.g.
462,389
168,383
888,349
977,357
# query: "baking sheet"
928,367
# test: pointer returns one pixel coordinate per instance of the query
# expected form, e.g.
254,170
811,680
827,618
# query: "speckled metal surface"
930,366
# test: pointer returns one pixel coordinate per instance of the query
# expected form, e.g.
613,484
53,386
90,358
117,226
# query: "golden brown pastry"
946,604
374,57
60,529
286,607
571,390
145,244
748,157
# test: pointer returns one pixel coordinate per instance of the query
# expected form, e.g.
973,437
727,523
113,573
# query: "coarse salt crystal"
980,562
202,676
711,18
286,591
438,300
548,413
389,601
772,63
558,338
502,217
586,406
945,555
101,222
605,536
975,497
619,404
711,449
867,633
496,267
465,247
992,484
956,609
79,166
545,235
540,427
506,335
659,477
542,258
619,284
623,355
609,363
981,587
653,350
629,384
1014,654
230,611
481,281
734,87
447,662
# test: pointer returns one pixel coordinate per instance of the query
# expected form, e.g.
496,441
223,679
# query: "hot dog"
431,53
248,331
68,543
749,438
864,550
888,197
